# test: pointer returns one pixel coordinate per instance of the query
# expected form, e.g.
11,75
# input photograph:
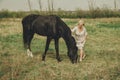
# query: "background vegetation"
93,13
101,63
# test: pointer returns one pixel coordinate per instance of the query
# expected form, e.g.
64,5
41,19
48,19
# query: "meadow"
101,63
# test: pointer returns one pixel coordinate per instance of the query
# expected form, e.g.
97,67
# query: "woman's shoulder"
75,27
85,31
84,28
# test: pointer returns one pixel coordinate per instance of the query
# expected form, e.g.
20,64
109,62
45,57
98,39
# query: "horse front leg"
46,47
57,50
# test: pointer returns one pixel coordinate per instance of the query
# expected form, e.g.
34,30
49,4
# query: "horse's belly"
44,30
45,33
41,32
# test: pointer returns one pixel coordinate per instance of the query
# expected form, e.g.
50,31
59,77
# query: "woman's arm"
73,30
86,34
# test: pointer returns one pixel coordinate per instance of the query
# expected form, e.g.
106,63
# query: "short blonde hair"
81,22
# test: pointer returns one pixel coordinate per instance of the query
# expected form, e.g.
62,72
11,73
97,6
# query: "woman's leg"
81,54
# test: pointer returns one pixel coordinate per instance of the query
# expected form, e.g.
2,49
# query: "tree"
49,8
29,5
40,5
91,4
115,5
52,5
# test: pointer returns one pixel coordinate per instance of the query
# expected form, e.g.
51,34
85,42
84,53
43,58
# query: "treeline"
96,13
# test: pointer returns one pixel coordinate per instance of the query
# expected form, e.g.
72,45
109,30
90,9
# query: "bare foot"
80,59
83,56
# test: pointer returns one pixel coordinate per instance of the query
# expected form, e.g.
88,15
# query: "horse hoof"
43,60
59,60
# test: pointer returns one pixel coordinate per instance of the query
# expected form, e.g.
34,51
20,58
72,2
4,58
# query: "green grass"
101,63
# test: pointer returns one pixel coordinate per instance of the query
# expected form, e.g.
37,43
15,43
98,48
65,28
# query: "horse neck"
68,41
66,34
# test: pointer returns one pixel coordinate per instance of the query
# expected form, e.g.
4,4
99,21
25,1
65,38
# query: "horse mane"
61,23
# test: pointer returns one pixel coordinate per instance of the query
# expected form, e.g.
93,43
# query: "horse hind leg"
29,38
29,53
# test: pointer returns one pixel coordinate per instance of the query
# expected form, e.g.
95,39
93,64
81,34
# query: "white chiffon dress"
79,36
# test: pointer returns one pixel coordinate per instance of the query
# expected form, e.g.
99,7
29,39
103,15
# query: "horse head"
72,53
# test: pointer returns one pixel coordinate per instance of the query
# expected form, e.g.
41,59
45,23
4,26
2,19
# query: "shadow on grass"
51,55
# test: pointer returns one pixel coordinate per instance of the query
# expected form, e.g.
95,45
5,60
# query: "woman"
80,35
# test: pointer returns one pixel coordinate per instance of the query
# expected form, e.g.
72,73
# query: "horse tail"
26,24
25,32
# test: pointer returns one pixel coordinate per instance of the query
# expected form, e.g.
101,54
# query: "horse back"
45,25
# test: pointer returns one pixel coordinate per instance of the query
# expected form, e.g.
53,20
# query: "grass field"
101,63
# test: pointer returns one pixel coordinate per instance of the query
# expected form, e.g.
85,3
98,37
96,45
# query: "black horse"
52,27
